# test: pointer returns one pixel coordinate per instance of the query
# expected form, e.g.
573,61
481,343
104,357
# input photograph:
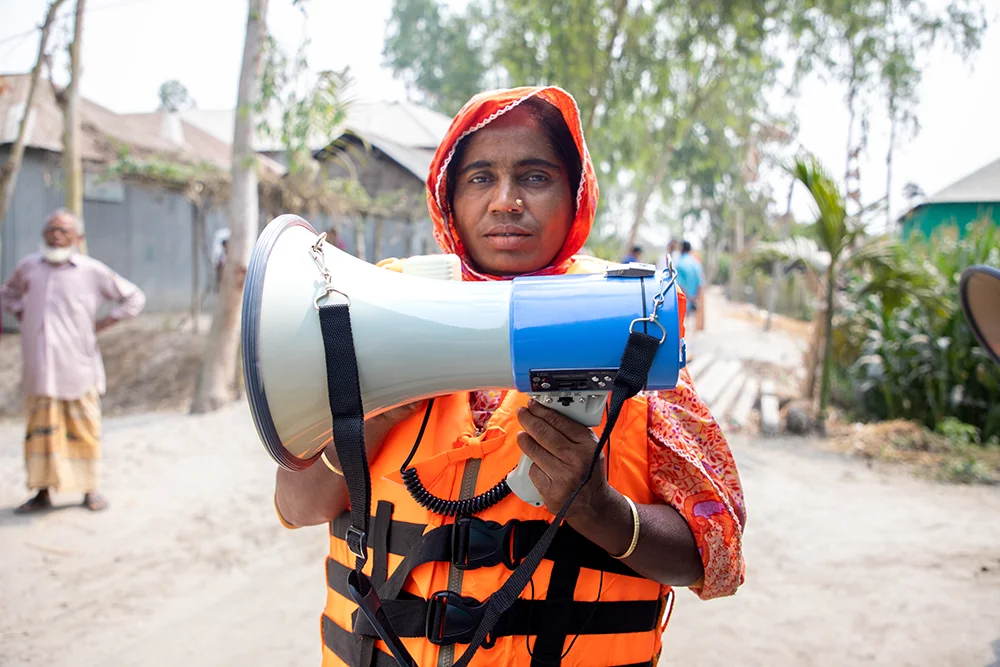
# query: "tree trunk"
642,200
734,259
824,391
72,159
377,240
219,364
888,167
359,239
599,80
11,169
772,297
197,233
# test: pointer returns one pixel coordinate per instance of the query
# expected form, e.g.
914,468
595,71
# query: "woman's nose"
505,197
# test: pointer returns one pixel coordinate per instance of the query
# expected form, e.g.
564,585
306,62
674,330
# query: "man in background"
634,256
673,252
56,294
691,279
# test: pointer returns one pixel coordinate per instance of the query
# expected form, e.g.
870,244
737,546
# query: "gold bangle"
635,529
329,465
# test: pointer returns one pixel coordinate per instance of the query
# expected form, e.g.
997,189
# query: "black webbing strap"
349,439
557,621
517,540
349,647
348,422
633,370
409,613
381,525
347,412
409,618
344,645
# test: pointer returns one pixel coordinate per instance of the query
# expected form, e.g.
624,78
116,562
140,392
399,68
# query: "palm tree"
833,247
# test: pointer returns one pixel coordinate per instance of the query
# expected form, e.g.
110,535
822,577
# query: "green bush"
909,353
722,272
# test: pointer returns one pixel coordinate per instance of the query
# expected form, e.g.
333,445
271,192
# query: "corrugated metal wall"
145,233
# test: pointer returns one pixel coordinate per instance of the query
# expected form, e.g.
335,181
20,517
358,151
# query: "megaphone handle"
520,484
585,408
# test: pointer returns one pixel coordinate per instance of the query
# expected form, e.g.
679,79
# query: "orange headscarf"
475,115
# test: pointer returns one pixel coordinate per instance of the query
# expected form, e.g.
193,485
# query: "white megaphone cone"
416,336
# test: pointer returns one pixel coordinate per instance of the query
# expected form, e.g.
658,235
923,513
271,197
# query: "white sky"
132,46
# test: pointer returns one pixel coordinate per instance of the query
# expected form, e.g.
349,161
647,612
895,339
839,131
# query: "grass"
951,456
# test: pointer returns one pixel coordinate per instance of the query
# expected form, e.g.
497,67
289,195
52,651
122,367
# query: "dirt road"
847,566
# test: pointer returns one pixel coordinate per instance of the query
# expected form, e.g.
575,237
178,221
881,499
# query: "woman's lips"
508,240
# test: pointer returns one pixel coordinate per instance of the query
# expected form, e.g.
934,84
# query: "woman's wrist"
606,520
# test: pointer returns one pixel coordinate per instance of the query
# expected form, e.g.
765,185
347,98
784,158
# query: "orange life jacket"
583,607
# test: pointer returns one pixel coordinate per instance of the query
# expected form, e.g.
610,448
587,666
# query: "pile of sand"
151,363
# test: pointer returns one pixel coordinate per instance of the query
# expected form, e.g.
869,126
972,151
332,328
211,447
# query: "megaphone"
422,333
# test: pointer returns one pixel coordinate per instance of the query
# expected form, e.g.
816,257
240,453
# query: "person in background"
690,277
673,252
634,256
220,264
55,295
333,238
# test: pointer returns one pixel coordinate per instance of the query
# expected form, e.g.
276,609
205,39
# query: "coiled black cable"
428,500
467,507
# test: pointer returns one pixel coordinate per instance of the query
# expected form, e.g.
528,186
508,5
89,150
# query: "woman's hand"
391,418
561,450
317,495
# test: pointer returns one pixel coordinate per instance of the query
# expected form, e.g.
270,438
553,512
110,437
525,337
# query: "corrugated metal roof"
407,133
415,160
982,185
102,130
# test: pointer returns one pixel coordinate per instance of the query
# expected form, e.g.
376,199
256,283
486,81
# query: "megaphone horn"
557,338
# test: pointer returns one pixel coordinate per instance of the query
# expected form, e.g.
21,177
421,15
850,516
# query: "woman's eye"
480,178
536,178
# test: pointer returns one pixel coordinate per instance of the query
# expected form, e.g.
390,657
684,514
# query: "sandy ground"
846,565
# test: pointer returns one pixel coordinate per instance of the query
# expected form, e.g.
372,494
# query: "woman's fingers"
536,452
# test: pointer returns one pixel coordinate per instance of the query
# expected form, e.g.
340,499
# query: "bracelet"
329,465
635,530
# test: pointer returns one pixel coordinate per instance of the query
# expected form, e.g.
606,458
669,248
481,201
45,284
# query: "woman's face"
511,160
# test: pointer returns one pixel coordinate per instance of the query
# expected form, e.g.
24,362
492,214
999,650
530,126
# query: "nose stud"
519,202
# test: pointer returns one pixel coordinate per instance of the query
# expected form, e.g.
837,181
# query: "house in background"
142,228
972,198
387,147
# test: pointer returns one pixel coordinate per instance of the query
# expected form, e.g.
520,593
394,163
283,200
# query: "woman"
512,192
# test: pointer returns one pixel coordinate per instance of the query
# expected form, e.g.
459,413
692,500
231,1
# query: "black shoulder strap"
349,439
348,415
632,373
347,411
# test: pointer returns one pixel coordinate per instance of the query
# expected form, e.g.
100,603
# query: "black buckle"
452,619
476,543
357,542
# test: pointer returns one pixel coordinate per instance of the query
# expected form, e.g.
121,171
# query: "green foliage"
722,269
300,110
175,97
604,246
958,432
669,93
909,354
437,54
159,169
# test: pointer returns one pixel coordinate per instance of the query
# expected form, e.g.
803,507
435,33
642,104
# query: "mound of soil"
151,364
925,452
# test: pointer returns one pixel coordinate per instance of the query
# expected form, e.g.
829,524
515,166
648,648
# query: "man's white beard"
55,255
